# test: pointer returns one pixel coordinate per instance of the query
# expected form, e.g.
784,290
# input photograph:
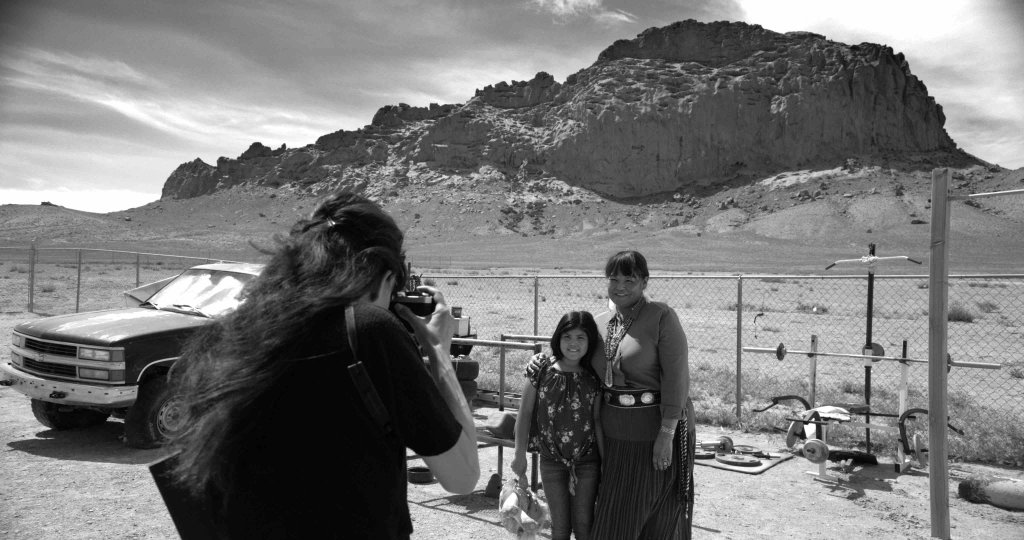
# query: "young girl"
562,404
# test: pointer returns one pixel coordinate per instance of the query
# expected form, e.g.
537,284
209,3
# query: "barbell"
781,352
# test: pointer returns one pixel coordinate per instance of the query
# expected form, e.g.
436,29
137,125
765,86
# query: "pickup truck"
80,369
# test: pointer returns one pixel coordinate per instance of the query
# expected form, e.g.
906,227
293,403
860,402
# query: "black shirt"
317,465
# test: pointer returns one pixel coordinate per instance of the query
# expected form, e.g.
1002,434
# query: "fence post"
814,371
739,347
78,282
136,268
501,376
938,299
536,303
31,277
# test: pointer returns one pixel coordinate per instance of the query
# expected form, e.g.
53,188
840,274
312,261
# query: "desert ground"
87,484
81,485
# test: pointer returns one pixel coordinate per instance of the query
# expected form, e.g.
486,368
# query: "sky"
100,100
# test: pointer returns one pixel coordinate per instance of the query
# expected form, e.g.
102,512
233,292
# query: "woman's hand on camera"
537,362
436,329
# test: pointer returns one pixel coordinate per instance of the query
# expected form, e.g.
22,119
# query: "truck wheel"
154,417
469,389
466,370
60,417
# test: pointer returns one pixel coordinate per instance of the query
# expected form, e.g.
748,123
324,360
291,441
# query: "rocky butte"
680,108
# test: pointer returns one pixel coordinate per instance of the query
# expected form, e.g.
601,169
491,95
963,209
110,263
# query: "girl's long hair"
571,321
327,261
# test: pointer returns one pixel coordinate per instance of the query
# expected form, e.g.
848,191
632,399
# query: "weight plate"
780,352
725,445
920,452
703,454
738,460
745,449
816,451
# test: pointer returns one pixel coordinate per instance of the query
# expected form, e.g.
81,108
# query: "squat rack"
870,348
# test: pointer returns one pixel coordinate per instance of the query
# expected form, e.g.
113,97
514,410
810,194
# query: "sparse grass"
746,307
817,309
1016,372
17,268
958,313
986,284
48,288
987,306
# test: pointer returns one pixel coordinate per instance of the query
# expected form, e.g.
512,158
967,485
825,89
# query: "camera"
419,302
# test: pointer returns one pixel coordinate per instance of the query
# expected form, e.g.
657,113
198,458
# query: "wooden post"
78,282
938,281
814,371
536,304
739,347
31,277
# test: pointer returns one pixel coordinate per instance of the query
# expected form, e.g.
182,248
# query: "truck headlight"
18,340
98,374
114,375
94,354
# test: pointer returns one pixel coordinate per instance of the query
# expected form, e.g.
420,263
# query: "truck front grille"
47,347
62,370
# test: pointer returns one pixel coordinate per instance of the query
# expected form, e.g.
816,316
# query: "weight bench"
486,440
816,449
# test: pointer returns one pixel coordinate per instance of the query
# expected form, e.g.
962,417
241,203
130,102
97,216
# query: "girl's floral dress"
564,415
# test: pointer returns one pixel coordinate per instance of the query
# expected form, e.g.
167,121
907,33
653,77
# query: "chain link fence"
52,281
721,315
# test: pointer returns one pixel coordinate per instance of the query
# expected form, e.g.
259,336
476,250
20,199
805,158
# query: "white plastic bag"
522,511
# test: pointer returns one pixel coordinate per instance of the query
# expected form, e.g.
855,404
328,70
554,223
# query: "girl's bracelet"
668,430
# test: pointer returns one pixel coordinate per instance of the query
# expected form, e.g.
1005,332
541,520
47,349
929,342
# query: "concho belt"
631,398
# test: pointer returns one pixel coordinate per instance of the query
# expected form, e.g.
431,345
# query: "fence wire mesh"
720,314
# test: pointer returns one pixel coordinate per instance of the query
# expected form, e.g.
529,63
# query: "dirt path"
87,485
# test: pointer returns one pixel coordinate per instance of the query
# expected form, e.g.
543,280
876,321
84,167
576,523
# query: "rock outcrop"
677,109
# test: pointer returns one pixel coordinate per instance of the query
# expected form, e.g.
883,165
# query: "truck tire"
466,370
155,416
469,389
60,417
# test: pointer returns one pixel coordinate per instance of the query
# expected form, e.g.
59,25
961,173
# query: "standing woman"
646,489
302,402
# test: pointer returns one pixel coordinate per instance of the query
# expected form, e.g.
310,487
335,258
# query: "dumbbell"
721,445
815,450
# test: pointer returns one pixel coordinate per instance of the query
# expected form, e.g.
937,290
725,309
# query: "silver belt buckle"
626,400
647,398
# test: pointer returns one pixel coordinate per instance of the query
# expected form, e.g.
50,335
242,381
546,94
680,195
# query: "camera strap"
361,379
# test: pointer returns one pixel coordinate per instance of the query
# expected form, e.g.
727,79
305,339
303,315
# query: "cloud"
593,9
156,102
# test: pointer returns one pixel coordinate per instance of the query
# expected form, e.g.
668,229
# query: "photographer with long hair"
282,438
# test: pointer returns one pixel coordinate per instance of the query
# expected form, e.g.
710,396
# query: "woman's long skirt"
636,501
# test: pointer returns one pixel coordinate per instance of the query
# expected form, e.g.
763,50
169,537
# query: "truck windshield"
204,292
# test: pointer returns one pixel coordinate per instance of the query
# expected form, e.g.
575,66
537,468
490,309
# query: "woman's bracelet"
668,430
